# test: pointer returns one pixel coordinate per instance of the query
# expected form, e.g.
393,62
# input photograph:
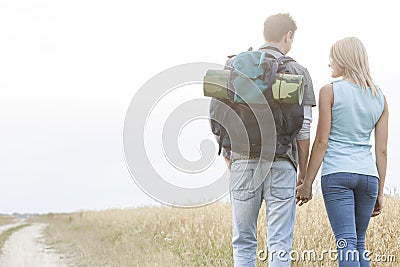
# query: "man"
278,183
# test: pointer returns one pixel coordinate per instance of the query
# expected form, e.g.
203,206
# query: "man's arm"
303,143
228,162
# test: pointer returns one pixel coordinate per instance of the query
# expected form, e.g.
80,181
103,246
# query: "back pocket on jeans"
243,195
282,192
242,184
373,186
283,183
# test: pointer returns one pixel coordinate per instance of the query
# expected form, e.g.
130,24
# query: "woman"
352,183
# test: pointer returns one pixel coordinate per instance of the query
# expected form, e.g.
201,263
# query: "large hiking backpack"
240,88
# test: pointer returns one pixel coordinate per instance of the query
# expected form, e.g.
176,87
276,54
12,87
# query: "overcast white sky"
69,69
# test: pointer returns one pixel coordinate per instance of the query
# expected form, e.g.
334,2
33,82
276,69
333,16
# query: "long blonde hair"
350,54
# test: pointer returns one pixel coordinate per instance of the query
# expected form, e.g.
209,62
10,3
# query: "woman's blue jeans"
349,200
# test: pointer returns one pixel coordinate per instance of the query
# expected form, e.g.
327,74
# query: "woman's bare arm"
304,191
323,129
381,140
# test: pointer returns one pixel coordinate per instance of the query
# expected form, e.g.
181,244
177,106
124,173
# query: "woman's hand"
378,206
303,193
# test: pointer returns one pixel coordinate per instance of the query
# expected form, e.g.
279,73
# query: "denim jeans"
349,200
278,191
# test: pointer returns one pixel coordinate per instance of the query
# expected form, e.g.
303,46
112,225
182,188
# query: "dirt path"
24,248
8,226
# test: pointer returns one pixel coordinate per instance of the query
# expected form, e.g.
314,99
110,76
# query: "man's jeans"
349,201
278,191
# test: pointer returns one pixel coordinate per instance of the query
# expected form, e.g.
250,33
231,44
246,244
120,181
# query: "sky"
70,69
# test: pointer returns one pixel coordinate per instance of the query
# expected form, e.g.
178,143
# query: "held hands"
303,193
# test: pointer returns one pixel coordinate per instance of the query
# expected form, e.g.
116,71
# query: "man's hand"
300,179
303,193
378,206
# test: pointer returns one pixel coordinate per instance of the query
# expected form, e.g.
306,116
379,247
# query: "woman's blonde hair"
350,54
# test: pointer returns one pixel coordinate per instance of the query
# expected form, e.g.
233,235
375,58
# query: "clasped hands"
303,193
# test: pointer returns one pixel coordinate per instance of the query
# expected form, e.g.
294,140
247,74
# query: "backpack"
252,85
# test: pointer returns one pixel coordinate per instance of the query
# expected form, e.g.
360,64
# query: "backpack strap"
269,76
272,65
222,133
286,59
273,51
221,138
277,54
280,58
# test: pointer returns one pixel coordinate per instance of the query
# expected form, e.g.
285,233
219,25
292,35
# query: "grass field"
6,220
166,236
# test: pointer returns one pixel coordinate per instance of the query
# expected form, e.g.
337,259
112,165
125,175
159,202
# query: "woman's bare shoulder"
326,93
327,88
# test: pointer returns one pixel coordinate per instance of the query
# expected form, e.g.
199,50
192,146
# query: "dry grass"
165,236
5,219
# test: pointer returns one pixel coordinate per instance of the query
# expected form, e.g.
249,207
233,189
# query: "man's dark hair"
276,26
